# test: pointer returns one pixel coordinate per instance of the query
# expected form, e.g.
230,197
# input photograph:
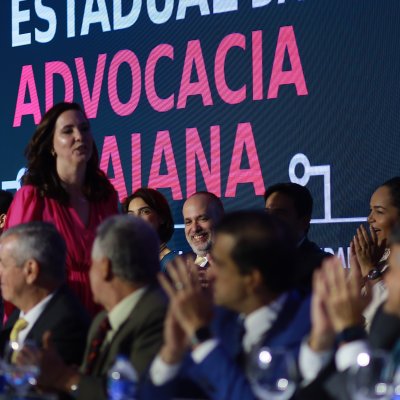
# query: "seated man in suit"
201,212
123,280
251,261
32,275
293,204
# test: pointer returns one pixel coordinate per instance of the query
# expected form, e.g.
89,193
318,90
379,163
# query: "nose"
371,218
78,135
196,226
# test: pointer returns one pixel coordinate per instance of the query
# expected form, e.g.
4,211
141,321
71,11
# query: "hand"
191,307
355,268
175,340
322,333
202,272
367,249
344,302
54,373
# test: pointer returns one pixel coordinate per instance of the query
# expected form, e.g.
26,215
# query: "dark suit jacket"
331,384
220,375
139,338
309,257
67,320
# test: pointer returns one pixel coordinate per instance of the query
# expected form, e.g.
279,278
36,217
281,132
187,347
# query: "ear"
304,223
2,220
31,270
106,269
254,280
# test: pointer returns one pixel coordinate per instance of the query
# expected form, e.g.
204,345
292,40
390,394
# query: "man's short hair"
131,245
300,195
215,202
42,242
261,242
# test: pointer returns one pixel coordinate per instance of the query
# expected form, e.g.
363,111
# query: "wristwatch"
200,335
373,274
350,334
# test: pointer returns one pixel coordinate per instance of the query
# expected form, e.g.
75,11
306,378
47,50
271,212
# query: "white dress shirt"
311,362
120,313
31,317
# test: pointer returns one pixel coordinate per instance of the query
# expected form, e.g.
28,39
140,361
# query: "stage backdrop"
229,96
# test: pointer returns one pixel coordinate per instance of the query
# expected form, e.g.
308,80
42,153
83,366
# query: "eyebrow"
140,209
384,208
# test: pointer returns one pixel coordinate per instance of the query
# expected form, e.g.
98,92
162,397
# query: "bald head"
201,212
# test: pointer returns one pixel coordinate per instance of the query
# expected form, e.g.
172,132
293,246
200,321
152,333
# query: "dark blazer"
385,330
220,375
309,257
331,384
67,320
139,338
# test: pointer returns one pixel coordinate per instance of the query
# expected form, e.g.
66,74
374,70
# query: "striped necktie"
95,345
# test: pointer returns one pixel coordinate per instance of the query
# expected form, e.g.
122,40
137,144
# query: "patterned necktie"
19,326
95,345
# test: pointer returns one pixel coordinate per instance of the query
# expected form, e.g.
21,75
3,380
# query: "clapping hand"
367,248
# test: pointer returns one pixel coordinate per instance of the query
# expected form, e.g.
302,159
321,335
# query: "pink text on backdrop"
28,103
244,147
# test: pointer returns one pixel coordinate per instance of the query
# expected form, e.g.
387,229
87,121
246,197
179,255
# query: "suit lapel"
123,339
39,327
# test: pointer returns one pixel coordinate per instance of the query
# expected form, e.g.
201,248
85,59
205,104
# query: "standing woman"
150,205
64,185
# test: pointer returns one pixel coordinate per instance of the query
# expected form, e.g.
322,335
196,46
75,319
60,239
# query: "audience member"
385,328
152,206
123,280
5,201
371,248
32,275
64,185
293,204
201,212
251,259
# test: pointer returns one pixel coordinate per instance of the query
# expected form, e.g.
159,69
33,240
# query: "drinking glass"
273,374
371,378
19,378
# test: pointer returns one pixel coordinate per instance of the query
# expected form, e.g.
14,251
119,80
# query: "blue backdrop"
225,95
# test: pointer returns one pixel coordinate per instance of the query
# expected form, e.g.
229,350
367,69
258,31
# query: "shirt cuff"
203,350
346,355
312,362
161,372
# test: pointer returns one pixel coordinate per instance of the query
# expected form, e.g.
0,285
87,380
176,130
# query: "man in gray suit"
123,280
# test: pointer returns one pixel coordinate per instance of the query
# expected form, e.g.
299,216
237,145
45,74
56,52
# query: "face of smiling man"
200,214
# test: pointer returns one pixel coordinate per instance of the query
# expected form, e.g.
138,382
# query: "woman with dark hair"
150,205
64,185
371,249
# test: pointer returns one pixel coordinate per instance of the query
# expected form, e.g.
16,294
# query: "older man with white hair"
123,280
33,279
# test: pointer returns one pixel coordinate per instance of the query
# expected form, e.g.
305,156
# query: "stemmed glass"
371,378
273,374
